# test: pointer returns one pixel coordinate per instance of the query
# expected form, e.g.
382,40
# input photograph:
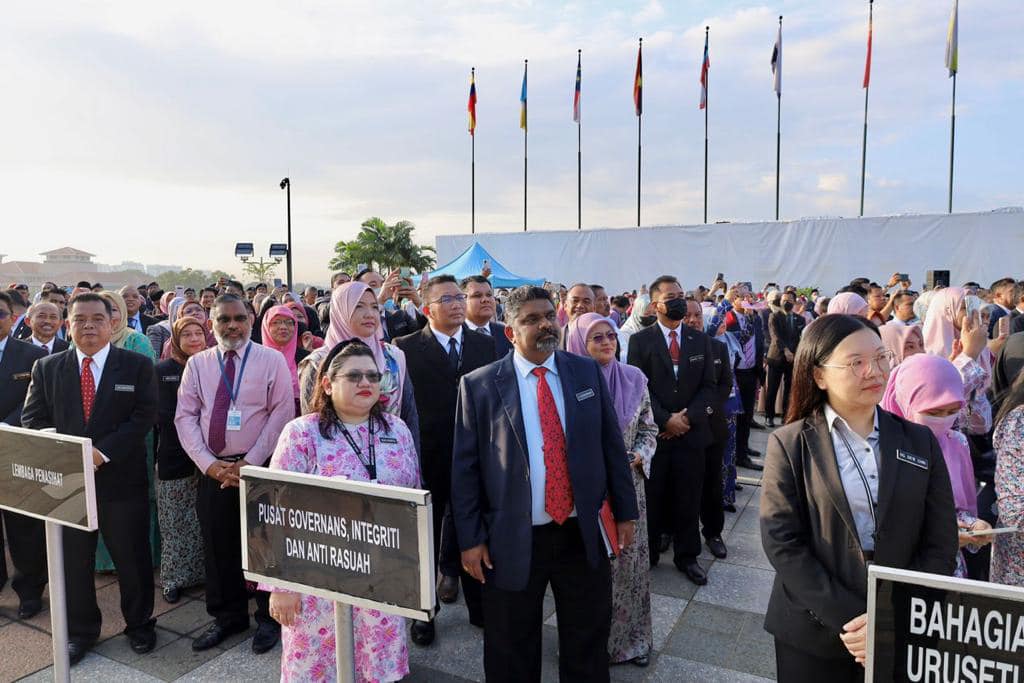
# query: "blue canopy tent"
471,262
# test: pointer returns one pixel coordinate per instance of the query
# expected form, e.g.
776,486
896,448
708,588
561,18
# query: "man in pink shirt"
233,402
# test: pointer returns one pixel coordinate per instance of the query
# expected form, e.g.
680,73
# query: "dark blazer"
993,321
21,330
120,419
502,345
15,372
723,387
491,498
145,321
399,324
785,332
1016,322
694,389
59,345
172,462
810,537
436,386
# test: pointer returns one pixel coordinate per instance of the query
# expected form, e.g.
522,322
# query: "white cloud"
832,182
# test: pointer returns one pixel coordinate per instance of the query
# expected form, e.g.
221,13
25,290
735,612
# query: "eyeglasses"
282,322
355,376
602,338
450,299
861,367
225,319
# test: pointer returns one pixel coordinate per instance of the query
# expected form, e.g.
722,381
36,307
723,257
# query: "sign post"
49,476
351,542
928,628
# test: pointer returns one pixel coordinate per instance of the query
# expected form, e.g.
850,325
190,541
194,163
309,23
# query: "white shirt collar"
3,342
665,331
473,326
240,351
99,359
524,367
47,345
443,338
831,416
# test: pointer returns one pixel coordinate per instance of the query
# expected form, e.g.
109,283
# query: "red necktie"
673,347
88,388
217,438
557,487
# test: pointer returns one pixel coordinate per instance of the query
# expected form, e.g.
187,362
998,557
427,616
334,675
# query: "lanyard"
371,463
863,479
233,391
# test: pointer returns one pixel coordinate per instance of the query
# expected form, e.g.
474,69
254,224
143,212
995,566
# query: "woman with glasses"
281,332
631,636
348,434
845,484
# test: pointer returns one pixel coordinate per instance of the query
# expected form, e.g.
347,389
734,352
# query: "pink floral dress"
308,647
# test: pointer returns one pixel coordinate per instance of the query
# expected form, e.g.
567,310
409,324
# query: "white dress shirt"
48,346
666,332
138,322
859,483
527,382
443,339
482,329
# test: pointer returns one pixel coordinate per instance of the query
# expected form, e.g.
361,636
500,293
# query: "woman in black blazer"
845,484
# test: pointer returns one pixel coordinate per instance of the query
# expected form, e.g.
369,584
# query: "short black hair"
86,297
520,296
579,284
235,283
334,278
594,288
6,298
156,296
621,301
479,279
211,290
655,286
440,279
84,283
900,296
1003,282
359,276
854,289
17,298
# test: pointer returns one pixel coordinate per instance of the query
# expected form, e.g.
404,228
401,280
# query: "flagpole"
526,125
952,140
707,90
864,142
579,160
778,130
472,167
639,123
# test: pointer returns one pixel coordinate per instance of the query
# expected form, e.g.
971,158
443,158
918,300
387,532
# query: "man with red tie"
233,402
109,395
537,449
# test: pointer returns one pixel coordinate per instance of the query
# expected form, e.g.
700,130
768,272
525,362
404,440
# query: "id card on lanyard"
234,422
370,461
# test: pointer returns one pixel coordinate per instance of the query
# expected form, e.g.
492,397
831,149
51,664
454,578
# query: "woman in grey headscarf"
159,334
638,320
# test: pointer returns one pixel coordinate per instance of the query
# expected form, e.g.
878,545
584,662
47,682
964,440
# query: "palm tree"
387,247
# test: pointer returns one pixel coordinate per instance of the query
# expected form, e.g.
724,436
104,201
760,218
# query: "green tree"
383,246
196,279
260,270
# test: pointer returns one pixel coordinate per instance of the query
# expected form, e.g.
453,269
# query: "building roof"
66,251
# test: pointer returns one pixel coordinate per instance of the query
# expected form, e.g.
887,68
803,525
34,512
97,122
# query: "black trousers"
227,598
674,499
746,382
712,516
450,564
26,537
777,373
583,601
797,666
125,528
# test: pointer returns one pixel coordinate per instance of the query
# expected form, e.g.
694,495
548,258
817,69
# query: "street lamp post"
286,185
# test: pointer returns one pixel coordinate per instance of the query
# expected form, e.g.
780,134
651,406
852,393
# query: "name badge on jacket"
585,394
911,459
697,359
124,387
21,375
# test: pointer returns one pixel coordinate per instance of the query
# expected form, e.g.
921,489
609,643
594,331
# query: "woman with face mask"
928,390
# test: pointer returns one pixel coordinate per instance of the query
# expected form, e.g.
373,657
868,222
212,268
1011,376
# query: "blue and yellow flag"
522,100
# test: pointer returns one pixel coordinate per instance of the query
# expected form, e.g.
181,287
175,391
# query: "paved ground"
708,634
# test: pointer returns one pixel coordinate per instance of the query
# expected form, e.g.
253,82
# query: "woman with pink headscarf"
355,314
927,390
280,331
903,340
848,303
951,333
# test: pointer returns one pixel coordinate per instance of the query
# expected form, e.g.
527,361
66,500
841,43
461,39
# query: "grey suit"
810,538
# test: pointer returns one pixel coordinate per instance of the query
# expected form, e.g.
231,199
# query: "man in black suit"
19,307
436,358
44,321
26,535
679,365
537,450
785,328
137,320
480,312
578,300
109,395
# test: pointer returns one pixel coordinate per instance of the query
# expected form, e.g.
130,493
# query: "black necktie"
453,353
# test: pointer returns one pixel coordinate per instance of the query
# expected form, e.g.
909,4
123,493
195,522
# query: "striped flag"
867,62
522,100
576,95
704,67
951,41
638,82
471,106
777,62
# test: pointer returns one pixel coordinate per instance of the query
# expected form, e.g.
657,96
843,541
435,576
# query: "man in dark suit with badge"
109,395
436,358
679,365
537,450
25,534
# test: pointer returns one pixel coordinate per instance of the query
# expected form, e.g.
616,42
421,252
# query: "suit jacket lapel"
470,357
508,390
7,361
661,346
107,379
823,454
436,353
568,382
890,439
72,380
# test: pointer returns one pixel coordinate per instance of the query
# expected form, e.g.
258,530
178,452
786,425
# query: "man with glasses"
436,358
480,312
233,402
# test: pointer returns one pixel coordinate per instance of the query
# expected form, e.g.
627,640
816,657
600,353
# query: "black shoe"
769,422
142,641
738,486
754,424
729,507
422,633
216,634
172,594
751,453
665,542
693,572
77,652
717,547
749,464
29,608
448,590
266,637
642,661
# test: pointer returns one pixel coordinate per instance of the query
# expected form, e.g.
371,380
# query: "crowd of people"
569,439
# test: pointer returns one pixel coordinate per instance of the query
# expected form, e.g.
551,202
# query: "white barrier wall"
826,253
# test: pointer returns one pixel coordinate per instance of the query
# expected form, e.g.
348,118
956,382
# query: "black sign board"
927,628
363,544
48,476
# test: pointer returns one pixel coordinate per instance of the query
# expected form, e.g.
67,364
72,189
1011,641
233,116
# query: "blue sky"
159,133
